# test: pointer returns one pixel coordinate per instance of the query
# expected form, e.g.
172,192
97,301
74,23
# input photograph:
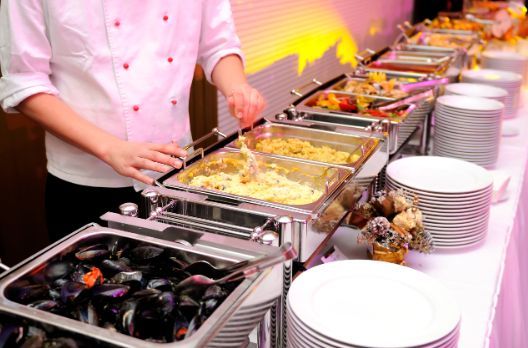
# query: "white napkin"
501,179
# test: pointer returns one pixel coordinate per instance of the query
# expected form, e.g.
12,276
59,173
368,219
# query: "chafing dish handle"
213,131
364,55
297,91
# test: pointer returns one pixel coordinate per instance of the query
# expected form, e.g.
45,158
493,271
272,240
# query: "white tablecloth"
488,280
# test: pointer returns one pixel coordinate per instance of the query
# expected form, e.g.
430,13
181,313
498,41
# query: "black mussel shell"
27,293
127,317
146,293
45,305
214,292
166,302
177,263
92,252
116,265
147,253
160,284
188,306
87,314
55,294
110,290
58,270
210,305
60,342
123,277
10,334
60,282
72,291
35,341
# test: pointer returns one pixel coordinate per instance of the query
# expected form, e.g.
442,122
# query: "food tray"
321,177
361,146
210,330
430,66
378,103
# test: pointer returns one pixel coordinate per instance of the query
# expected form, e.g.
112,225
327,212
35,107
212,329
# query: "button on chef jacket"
126,66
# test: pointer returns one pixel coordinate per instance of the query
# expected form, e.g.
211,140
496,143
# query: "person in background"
110,81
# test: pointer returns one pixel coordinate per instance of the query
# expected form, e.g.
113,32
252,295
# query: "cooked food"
354,104
455,24
376,84
268,185
443,40
294,147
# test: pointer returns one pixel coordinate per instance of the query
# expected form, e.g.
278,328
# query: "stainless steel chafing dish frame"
299,115
228,250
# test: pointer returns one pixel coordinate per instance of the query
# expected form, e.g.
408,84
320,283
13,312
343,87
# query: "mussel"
92,252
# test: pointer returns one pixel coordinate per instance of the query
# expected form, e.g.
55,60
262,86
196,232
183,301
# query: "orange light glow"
308,37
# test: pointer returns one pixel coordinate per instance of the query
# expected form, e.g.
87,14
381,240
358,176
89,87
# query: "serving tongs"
236,271
195,153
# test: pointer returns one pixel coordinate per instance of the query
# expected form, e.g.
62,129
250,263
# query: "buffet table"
488,279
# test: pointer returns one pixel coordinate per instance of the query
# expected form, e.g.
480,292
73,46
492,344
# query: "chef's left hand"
245,103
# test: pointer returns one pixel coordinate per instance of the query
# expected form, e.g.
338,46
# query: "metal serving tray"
379,103
362,146
429,66
253,295
324,178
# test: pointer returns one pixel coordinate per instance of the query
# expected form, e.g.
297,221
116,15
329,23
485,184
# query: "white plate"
483,188
459,152
447,220
439,174
463,134
476,146
465,242
330,299
303,336
456,201
476,90
491,75
463,102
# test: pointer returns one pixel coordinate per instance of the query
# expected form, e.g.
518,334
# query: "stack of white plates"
507,61
359,303
454,197
468,128
476,90
511,82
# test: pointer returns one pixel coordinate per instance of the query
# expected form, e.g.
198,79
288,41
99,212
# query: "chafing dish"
358,146
323,178
249,300
428,66
415,108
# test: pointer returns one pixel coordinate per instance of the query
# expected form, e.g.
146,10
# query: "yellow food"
294,147
265,185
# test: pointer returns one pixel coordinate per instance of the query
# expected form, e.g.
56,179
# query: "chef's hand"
128,158
245,103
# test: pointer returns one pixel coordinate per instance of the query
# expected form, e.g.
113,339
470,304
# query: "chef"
109,81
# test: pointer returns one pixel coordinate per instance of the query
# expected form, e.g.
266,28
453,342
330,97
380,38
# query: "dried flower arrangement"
391,223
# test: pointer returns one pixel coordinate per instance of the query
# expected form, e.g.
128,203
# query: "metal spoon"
242,269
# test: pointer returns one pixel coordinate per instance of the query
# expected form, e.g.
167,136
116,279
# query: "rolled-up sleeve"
218,36
25,52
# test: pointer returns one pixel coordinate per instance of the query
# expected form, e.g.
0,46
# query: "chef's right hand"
128,158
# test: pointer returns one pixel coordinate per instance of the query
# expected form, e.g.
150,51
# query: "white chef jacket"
126,66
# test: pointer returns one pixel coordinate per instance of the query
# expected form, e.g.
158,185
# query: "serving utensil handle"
3,267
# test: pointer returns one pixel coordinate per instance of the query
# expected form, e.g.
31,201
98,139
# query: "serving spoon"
241,269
